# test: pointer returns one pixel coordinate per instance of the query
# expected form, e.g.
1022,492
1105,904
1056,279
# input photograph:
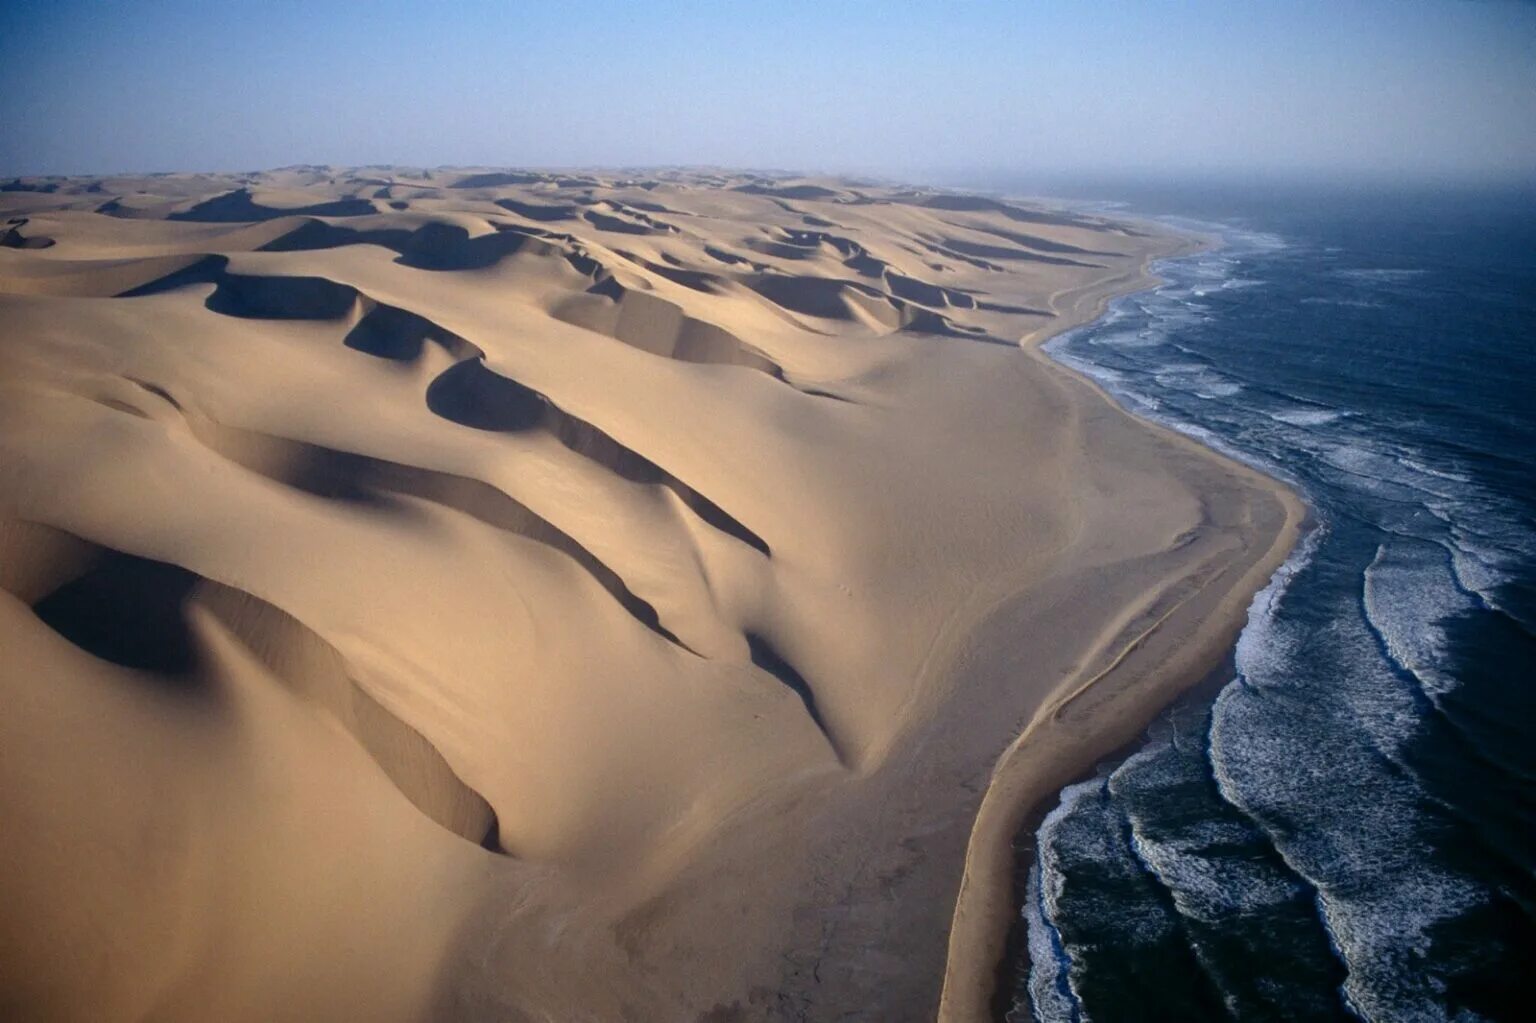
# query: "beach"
477,594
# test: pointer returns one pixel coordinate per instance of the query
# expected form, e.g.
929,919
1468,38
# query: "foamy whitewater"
1349,831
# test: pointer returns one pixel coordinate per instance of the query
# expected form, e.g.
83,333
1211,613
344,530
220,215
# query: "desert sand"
488,595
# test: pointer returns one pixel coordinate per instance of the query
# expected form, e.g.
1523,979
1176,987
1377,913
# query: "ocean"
1348,829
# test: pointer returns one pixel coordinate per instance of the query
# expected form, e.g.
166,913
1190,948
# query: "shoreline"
1009,965
1053,751
793,534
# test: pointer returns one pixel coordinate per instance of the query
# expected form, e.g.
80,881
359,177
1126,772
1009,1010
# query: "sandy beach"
474,594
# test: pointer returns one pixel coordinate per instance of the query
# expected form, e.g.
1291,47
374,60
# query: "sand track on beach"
508,595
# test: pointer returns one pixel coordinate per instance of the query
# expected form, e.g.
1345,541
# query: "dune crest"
482,594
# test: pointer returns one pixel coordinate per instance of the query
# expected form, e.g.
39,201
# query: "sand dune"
472,594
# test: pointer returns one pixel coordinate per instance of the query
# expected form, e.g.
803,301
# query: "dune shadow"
498,179
977,250
470,394
129,611
239,206
317,234
14,239
281,298
789,191
538,211
618,225
808,295
983,204
770,660
208,270
389,332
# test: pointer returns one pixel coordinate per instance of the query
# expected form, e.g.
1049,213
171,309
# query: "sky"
1432,90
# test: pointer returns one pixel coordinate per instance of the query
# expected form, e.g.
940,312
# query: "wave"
1322,837
1352,303
1307,416
1375,275
1409,589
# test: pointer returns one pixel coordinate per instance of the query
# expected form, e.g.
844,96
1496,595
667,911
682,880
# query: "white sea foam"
1307,416
1376,275
1409,589
1124,339
1345,823
1205,887
1374,471
1219,280
1355,303
1348,826
1050,827
1088,828
1311,743
1260,650
1170,369
1429,470
1212,386
1103,374
1049,996
1485,537
1484,560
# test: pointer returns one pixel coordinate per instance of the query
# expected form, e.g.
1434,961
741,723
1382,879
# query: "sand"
484,595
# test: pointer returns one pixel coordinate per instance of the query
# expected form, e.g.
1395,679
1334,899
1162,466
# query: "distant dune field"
484,595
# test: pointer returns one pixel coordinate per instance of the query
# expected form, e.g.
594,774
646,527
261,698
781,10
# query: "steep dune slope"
488,595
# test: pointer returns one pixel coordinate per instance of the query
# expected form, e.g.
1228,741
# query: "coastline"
771,696
1107,706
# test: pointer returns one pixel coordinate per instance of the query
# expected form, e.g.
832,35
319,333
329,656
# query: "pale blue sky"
1418,88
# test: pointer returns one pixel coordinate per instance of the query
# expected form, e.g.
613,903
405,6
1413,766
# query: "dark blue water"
1349,831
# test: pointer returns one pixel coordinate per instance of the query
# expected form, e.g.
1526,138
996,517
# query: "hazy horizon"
1421,91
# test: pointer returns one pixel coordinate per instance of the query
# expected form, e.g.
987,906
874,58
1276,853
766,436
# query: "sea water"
1348,831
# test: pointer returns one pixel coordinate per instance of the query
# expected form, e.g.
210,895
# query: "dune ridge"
497,594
